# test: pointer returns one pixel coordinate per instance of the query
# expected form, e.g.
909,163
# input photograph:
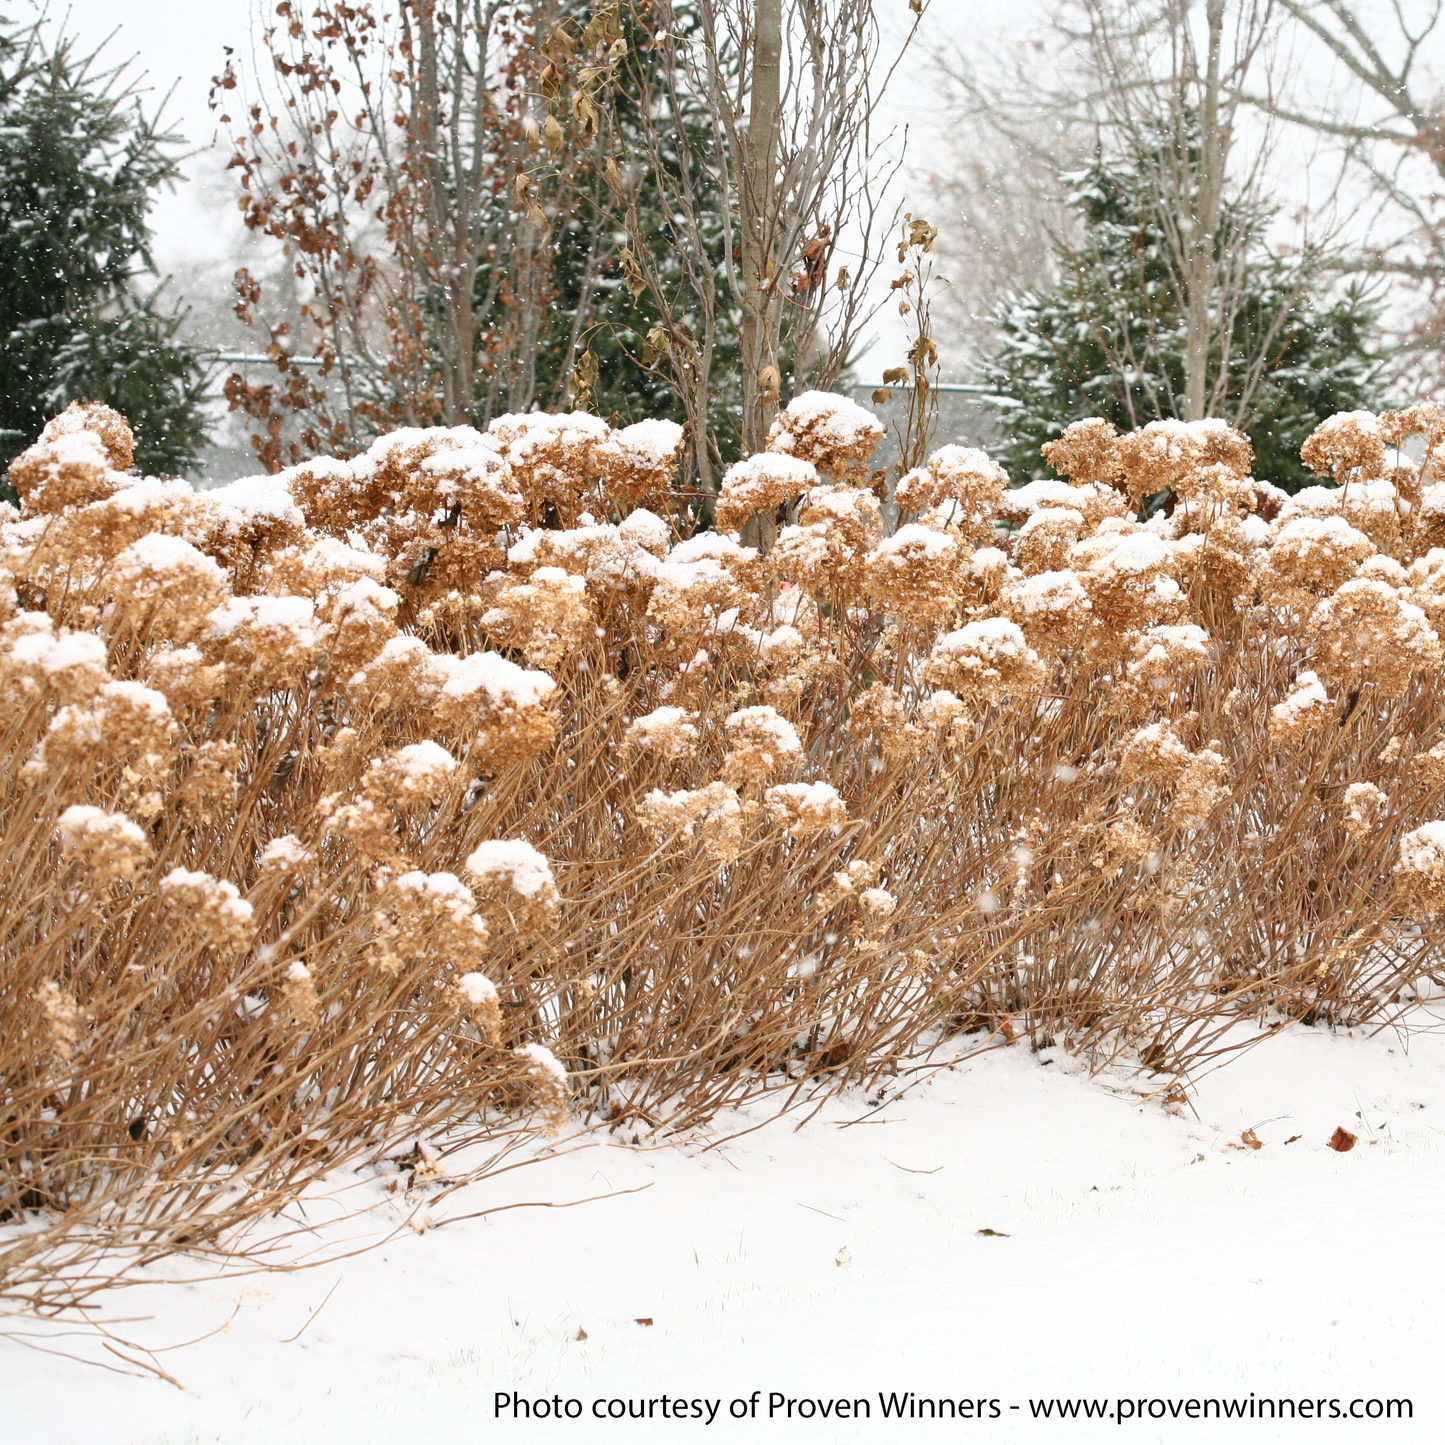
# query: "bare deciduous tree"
749,124
1169,84
1393,130
381,151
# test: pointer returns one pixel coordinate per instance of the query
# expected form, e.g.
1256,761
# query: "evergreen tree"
1108,339
79,166
590,295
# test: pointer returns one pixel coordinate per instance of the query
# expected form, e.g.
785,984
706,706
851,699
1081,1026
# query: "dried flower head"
513,880
211,907
185,676
762,482
298,995
69,469
164,583
1043,543
1348,446
274,638
425,918
712,814
832,432
1203,784
803,808
917,573
1305,708
476,997
548,617
34,659
101,421
1368,632
881,715
1086,451
415,776
1051,608
122,723
1164,659
759,742
1364,803
1420,868
1154,754
1430,766
1314,555
63,1019
1194,459
984,662
285,855
108,845
546,1081
649,454
965,484
501,707
668,732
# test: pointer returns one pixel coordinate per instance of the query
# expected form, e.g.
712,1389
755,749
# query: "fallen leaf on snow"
1342,1140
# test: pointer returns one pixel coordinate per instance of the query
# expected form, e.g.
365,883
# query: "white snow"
476,988
650,443
287,851
1135,1253
519,862
504,683
423,761
82,819
256,499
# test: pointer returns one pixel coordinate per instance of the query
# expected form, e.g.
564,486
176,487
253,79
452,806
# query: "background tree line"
680,208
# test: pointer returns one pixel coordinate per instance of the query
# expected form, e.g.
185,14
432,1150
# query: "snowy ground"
1135,1254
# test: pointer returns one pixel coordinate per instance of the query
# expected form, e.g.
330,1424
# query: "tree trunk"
1207,197
757,188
